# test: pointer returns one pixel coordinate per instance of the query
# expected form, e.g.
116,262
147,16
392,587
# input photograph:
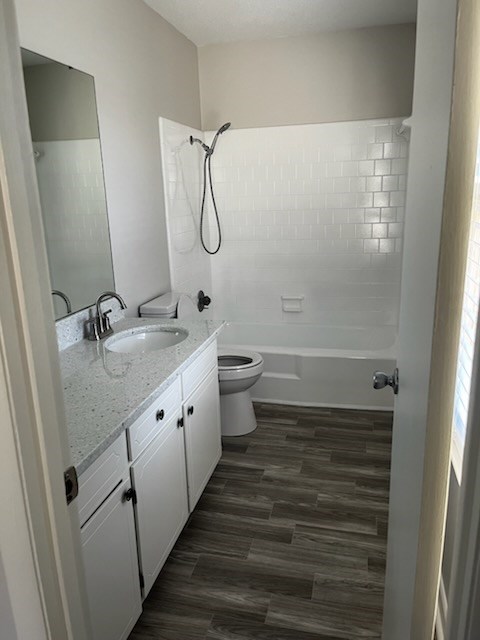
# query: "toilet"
238,370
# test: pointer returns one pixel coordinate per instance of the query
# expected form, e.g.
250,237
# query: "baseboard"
320,405
441,618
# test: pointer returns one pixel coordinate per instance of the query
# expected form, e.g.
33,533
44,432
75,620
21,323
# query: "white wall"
314,211
182,163
143,68
354,74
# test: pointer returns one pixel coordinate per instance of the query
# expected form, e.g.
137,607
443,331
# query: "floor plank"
288,542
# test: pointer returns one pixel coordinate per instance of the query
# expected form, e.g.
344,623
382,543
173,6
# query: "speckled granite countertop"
105,391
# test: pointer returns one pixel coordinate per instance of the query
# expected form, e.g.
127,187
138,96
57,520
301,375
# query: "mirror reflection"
66,142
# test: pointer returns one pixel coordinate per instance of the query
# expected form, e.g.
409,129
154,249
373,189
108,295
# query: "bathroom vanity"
145,436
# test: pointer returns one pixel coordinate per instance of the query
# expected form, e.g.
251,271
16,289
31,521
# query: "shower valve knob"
203,301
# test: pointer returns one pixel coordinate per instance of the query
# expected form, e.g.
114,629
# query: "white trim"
463,620
323,405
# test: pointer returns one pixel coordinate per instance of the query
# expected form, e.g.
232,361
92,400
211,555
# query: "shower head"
224,127
209,150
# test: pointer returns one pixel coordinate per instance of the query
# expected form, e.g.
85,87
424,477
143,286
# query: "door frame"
463,616
28,351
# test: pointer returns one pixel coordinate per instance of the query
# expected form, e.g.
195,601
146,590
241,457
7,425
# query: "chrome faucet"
65,298
100,327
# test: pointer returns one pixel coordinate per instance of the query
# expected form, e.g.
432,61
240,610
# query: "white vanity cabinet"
173,448
159,478
109,546
171,471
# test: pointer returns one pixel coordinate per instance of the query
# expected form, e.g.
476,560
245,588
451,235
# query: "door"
159,478
427,331
35,415
201,412
111,567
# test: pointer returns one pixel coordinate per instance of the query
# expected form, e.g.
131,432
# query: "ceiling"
213,21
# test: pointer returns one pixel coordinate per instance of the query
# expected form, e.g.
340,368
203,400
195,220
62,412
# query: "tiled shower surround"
190,268
311,212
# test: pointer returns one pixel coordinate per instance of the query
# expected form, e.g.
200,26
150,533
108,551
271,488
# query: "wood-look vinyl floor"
288,542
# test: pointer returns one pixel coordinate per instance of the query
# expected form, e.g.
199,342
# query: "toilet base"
237,414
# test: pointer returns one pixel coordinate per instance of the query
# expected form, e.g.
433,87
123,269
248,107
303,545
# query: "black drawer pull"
130,494
179,423
190,410
160,415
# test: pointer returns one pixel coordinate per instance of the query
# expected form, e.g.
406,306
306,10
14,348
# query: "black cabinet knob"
190,410
129,495
160,415
180,423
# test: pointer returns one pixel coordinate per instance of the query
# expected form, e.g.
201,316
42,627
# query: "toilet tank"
164,306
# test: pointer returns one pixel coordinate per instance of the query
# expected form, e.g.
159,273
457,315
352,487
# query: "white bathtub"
318,366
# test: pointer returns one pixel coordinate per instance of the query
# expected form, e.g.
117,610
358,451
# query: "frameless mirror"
63,118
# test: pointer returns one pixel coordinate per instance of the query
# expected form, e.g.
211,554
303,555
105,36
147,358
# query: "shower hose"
207,168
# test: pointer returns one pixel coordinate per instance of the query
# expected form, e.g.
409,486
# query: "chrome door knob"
382,380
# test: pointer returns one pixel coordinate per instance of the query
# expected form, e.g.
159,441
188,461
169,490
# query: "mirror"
66,142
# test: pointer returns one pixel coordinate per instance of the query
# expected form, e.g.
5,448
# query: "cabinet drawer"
161,411
99,480
197,371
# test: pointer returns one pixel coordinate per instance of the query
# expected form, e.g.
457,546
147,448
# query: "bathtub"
307,364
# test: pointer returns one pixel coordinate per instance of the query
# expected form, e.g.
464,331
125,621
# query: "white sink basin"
145,341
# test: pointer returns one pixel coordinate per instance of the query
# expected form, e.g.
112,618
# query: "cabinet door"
201,413
111,567
159,478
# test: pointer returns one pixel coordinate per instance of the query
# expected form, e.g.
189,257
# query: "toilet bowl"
238,370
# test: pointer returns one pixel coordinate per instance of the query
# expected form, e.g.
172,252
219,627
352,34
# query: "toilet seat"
237,360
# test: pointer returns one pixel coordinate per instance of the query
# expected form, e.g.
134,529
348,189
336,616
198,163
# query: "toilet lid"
229,359
186,307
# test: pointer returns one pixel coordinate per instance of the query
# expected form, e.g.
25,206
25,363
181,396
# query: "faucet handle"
106,320
92,329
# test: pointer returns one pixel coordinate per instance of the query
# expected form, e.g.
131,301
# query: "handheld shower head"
207,169
209,150
224,127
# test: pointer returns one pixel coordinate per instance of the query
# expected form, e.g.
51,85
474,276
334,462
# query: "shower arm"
205,147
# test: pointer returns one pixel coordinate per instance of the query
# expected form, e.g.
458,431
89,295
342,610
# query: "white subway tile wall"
182,166
311,210
72,195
